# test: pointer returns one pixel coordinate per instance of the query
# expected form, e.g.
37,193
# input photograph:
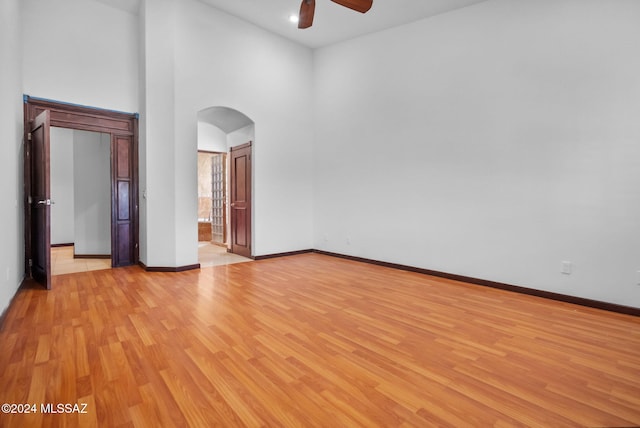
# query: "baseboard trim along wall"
168,269
91,256
612,307
290,253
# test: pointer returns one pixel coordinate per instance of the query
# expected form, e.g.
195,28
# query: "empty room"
427,213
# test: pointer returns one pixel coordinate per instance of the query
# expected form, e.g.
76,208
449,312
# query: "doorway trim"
123,130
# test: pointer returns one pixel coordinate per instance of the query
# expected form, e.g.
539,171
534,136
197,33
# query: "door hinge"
30,200
30,262
29,136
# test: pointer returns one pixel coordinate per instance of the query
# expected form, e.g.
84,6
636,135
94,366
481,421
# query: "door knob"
46,202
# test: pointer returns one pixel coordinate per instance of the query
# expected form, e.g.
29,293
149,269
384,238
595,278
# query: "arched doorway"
225,143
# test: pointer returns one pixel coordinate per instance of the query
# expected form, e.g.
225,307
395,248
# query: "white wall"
241,136
11,193
494,142
157,136
62,184
81,51
211,138
92,190
142,131
219,60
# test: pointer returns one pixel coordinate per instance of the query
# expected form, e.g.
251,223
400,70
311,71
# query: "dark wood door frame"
123,130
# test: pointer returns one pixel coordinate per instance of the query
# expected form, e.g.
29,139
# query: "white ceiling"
126,5
227,119
332,23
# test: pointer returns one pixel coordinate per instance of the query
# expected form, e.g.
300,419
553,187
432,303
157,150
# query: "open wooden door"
123,128
39,199
240,198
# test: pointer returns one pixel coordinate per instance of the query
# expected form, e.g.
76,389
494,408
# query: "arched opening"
225,138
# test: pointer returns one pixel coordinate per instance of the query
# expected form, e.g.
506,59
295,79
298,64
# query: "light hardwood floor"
62,261
312,340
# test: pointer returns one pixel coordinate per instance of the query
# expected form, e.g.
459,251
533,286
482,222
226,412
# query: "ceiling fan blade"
359,5
307,9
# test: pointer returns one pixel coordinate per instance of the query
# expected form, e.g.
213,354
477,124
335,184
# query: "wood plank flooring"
311,341
63,262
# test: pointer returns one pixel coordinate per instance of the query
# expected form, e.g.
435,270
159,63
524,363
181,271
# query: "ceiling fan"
308,8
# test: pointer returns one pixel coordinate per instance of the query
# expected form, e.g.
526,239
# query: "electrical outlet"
566,268
348,240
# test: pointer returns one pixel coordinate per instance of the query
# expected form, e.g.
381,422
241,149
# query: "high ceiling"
127,5
332,23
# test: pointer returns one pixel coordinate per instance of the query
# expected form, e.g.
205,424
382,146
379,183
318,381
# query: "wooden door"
240,198
219,198
123,128
39,198
123,202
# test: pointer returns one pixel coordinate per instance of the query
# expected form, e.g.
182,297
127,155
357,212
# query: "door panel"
123,202
40,198
240,198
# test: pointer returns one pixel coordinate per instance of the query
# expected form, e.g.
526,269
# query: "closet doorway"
80,177
122,129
